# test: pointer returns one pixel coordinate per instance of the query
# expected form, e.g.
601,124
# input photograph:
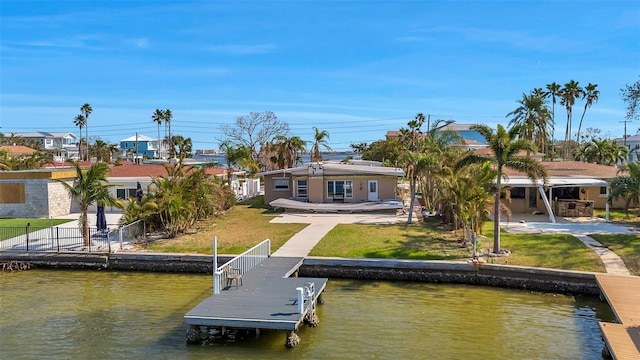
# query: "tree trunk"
496,218
412,185
85,227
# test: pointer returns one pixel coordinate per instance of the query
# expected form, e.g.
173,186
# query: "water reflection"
105,315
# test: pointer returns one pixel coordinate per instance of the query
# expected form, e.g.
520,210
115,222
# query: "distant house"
632,143
126,177
331,183
469,136
18,150
139,147
63,144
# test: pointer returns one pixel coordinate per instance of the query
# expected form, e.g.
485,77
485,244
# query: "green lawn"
618,216
625,246
36,224
429,241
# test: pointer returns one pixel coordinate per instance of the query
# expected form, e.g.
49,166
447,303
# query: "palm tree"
86,110
168,116
568,95
90,187
185,146
80,121
101,150
320,140
412,158
553,90
627,187
590,95
505,146
601,151
289,149
157,117
532,117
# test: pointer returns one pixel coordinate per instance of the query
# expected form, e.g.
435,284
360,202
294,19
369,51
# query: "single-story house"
333,183
573,189
35,193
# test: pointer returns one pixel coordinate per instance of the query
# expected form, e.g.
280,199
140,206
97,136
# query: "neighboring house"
35,193
18,150
470,137
64,144
126,177
574,189
632,142
139,147
332,182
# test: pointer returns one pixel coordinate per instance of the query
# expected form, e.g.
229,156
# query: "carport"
557,182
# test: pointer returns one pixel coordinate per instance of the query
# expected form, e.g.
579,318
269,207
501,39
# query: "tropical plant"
359,148
411,157
102,150
590,95
505,146
168,117
288,150
158,117
601,151
80,121
568,95
627,187
184,148
553,90
237,157
86,110
532,118
320,140
90,187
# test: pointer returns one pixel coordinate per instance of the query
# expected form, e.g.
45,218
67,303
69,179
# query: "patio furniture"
233,274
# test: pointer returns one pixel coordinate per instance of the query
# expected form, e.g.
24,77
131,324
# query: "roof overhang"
554,182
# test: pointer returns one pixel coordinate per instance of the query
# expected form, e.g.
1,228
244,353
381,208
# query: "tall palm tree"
553,90
86,110
533,117
101,150
505,146
319,140
290,149
568,95
80,121
90,187
157,117
168,116
590,96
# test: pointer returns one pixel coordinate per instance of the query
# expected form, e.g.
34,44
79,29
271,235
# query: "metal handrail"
243,263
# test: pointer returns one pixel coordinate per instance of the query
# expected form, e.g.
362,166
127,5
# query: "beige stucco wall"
590,193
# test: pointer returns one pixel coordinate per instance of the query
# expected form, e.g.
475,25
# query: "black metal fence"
31,238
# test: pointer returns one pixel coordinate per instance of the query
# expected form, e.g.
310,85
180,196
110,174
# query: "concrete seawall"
526,278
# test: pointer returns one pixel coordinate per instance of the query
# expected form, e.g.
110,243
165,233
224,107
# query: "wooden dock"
623,295
267,299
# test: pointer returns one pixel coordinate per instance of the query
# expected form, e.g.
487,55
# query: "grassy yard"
36,224
429,241
618,216
242,227
625,246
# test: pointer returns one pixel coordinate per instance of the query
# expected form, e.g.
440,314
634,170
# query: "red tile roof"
144,170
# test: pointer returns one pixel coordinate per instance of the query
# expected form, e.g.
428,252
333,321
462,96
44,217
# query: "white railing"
241,264
305,297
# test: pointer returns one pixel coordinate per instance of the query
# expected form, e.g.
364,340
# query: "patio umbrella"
101,222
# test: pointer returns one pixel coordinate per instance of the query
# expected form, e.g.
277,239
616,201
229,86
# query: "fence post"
28,225
58,238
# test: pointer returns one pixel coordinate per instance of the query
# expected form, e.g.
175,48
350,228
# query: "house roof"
574,169
339,167
554,182
141,171
18,149
138,137
44,134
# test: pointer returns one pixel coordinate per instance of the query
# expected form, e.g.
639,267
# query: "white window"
339,188
302,189
281,184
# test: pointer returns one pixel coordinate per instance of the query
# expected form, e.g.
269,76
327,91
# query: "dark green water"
113,315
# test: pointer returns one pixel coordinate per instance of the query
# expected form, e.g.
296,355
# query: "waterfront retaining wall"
526,278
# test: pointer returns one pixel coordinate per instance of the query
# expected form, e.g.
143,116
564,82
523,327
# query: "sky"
356,69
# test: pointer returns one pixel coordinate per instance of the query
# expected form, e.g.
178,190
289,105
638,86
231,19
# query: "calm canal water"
114,315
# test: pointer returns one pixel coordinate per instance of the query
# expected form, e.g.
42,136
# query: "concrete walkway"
319,225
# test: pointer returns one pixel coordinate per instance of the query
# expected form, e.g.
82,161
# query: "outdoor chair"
233,274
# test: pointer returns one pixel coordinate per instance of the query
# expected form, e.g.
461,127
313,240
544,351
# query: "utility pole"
624,139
